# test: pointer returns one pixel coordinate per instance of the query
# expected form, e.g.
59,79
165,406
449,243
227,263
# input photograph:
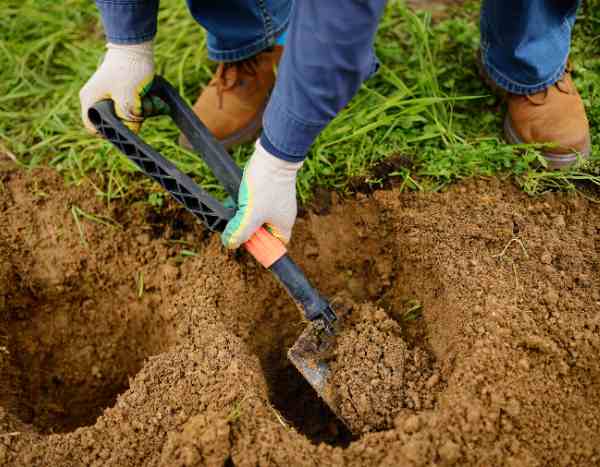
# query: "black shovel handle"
163,98
202,141
207,209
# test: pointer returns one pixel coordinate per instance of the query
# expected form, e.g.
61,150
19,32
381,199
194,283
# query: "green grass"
426,103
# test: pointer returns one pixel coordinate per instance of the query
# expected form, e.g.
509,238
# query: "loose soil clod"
498,365
370,379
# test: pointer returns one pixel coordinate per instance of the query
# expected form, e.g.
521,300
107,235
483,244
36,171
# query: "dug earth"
129,337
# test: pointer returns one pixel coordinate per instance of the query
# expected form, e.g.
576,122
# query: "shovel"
307,354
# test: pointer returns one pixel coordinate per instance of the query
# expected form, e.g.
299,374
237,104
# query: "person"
328,54
245,37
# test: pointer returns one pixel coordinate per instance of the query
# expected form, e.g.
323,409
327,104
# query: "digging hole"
290,394
69,355
299,404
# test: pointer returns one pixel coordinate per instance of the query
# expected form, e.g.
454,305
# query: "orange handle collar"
265,248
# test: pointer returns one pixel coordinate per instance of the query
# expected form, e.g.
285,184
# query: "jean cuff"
287,136
131,22
505,82
249,50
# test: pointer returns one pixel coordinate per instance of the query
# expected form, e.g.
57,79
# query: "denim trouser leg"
525,43
329,53
238,29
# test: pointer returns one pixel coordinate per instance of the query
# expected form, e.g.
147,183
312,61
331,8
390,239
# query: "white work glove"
124,76
267,195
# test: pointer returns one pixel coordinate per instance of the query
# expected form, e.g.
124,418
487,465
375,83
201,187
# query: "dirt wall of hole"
496,296
76,322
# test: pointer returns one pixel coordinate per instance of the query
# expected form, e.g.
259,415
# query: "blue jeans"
329,50
525,45
237,29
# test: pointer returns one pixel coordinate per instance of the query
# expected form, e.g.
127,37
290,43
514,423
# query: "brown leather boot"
555,116
232,104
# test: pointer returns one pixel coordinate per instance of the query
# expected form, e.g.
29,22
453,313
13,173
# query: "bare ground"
474,313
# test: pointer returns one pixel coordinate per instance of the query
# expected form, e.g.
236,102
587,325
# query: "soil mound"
374,374
368,370
476,323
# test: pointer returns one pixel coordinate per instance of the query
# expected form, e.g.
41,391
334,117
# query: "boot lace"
540,97
229,75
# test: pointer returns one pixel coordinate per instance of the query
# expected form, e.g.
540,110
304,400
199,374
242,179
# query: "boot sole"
245,135
555,161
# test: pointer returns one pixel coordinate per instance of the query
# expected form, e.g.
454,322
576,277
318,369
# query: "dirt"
439,9
82,307
475,321
374,374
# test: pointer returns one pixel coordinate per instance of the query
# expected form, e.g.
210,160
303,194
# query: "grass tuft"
427,103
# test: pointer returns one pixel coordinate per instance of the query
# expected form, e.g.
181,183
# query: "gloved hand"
124,76
267,195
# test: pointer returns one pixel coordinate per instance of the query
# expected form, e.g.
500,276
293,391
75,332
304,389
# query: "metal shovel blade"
309,355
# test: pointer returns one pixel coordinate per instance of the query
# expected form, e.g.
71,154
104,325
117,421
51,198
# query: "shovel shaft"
304,294
271,253
204,143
